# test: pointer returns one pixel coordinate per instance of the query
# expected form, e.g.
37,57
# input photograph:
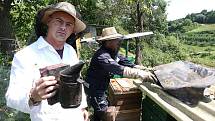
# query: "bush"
86,53
198,39
6,113
161,50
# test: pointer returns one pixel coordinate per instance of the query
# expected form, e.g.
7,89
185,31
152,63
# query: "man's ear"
48,20
105,42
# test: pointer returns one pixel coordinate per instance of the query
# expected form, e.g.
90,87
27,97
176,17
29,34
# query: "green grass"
201,55
204,55
203,27
6,113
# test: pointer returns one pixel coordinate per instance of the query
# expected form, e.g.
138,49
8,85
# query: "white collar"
42,43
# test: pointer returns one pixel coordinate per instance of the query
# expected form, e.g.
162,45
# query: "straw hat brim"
79,25
110,37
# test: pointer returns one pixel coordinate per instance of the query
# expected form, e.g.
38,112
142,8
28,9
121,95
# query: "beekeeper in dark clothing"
104,64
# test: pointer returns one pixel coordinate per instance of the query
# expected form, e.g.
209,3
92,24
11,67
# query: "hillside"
203,28
200,44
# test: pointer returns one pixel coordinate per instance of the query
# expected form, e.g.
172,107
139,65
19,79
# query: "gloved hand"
210,92
137,73
146,76
144,68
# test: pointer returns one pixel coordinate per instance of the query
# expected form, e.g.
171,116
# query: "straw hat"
64,7
109,34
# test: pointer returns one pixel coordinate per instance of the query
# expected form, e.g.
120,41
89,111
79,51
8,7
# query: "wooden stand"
126,98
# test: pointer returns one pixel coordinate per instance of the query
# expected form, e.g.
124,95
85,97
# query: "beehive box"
126,98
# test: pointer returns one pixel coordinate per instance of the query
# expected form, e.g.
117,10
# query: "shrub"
161,49
6,113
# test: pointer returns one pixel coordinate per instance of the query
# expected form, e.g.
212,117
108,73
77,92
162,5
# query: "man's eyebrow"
58,18
65,21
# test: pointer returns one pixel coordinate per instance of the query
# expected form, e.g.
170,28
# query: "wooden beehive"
126,98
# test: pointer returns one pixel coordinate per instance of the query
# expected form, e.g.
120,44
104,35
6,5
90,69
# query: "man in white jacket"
28,91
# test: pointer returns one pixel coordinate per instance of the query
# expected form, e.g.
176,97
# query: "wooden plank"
120,94
115,86
128,115
204,111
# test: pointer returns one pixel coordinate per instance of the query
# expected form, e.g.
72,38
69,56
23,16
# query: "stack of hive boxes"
126,99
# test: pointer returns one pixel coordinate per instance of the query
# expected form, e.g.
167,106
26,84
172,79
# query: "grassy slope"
203,27
202,55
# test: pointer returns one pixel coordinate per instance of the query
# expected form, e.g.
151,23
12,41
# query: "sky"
180,8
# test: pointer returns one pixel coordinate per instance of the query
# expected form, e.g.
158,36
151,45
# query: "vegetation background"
190,39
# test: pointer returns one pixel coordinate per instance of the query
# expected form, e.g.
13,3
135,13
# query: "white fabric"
25,70
135,73
140,67
130,72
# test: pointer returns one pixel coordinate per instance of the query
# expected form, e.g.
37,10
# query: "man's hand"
85,114
137,73
45,87
147,76
210,92
144,68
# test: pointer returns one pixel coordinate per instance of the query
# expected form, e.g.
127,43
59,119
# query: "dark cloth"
60,52
104,64
185,80
124,61
99,105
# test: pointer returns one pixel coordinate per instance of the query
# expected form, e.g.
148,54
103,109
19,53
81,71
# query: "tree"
211,17
133,17
144,17
200,18
6,33
17,22
128,16
23,19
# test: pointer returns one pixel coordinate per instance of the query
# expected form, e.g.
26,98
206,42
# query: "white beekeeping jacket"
24,73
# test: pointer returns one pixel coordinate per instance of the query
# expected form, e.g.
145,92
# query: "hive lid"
123,85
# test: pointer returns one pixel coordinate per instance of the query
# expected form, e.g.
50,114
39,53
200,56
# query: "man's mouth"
61,33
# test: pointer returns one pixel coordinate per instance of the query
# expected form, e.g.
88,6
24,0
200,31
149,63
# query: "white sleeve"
21,80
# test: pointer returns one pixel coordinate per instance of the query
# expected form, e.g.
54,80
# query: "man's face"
114,44
60,26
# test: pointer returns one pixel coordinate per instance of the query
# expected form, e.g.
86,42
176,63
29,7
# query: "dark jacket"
103,66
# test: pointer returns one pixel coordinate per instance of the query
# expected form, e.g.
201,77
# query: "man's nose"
63,26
